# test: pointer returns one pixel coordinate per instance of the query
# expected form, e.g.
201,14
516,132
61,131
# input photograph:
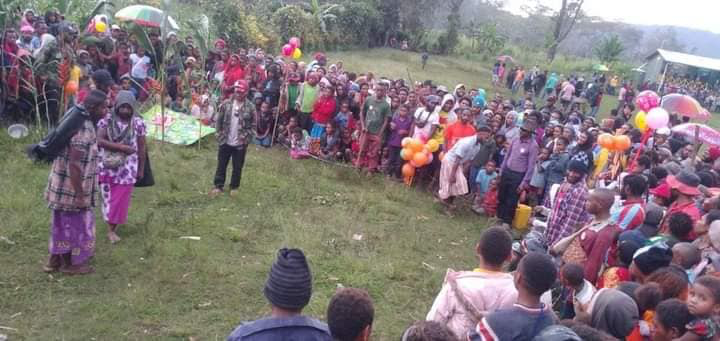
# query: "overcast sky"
699,14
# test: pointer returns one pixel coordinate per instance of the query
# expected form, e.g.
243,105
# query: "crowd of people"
623,245
704,92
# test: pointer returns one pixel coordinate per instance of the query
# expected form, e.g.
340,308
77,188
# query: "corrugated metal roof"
688,59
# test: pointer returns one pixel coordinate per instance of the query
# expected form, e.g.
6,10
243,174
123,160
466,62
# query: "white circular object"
17,131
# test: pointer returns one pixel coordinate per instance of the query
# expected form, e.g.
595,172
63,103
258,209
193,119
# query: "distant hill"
639,40
703,43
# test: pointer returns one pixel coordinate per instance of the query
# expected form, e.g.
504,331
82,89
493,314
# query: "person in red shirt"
684,188
323,111
459,129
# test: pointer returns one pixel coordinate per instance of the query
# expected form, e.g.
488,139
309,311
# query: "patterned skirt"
73,232
116,202
460,187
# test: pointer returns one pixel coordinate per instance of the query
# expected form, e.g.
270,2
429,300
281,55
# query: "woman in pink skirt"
121,138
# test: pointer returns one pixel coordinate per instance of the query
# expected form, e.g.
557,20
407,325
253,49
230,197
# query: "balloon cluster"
292,48
650,114
615,143
416,154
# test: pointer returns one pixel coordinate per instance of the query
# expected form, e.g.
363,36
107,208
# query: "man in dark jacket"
288,289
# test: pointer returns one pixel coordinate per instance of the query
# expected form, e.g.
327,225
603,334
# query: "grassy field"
156,286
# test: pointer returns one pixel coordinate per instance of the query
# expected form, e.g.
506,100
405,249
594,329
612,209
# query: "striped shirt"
630,215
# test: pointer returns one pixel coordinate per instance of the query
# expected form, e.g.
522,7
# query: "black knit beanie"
289,284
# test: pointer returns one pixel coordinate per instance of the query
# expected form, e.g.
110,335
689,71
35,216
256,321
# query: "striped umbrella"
145,16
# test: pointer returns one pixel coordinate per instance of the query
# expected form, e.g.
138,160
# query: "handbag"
147,180
113,160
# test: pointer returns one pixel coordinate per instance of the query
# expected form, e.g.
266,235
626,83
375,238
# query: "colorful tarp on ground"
180,128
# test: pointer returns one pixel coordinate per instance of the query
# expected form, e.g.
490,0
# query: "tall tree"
564,20
453,36
609,49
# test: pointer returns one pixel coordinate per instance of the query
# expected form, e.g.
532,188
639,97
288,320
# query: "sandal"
53,264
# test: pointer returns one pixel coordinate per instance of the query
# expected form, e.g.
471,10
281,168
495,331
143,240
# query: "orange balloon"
606,141
408,170
416,145
420,159
622,142
71,88
407,154
406,141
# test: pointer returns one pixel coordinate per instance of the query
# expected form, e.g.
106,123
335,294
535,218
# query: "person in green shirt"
374,118
306,100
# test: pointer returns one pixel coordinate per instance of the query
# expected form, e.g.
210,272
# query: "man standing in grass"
235,125
71,190
288,289
516,170
373,121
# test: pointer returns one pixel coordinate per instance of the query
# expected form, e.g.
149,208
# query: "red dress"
490,204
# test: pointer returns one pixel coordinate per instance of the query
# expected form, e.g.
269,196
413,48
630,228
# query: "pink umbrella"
704,133
505,59
684,105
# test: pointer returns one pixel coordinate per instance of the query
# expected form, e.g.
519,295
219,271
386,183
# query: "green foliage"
293,21
610,49
355,25
238,27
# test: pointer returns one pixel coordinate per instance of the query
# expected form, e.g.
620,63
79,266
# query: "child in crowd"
647,297
299,148
536,274
581,290
384,161
330,143
264,129
482,181
703,303
399,129
285,134
491,201
537,182
612,276
671,317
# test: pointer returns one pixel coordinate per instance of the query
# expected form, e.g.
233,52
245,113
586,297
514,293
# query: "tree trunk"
559,21
552,51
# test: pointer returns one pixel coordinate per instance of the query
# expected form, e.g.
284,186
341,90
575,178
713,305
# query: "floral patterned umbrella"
704,133
145,16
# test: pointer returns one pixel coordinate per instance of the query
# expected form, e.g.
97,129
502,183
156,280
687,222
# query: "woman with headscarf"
234,71
121,138
613,312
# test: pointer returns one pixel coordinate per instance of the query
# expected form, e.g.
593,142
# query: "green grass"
154,285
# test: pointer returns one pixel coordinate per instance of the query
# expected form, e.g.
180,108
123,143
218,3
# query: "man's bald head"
685,255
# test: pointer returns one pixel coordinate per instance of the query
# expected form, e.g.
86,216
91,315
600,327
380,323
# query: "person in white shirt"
426,119
139,71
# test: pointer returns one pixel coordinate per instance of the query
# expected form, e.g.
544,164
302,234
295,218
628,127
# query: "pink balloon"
657,118
430,158
287,50
650,98
294,42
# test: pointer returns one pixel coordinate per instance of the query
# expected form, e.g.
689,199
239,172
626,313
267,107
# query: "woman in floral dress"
121,137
